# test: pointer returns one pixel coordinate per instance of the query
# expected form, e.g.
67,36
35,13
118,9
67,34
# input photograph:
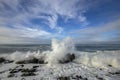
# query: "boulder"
33,60
11,75
67,58
63,78
3,60
28,72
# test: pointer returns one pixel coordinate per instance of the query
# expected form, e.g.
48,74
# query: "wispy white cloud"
22,35
108,32
19,13
22,40
23,32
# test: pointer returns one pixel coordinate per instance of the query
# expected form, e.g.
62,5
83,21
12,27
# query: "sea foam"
59,50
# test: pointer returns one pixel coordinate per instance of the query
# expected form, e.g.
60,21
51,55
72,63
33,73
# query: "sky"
39,21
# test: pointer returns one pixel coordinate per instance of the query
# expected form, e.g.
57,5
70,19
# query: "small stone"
14,71
109,65
28,74
11,75
35,66
63,78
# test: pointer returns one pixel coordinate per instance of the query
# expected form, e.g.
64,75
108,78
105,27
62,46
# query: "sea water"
89,58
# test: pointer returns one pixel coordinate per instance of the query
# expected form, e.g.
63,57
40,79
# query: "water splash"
60,49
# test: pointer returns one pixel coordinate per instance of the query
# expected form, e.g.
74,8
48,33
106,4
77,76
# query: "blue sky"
39,21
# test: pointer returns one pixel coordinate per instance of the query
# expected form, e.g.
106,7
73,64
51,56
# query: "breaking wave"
60,50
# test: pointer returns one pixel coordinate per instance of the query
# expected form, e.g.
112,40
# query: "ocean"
61,59
45,47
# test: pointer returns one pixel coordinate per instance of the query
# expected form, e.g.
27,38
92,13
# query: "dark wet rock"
9,61
14,70
11,75
28,74
101,69
63,78
99,78
68,58
10,69
78,77
23,79
22,65
33,60
109,65
28,70
17,67
115,73
3,71
25,72
35,66
21,62
84,79
51,72
3,60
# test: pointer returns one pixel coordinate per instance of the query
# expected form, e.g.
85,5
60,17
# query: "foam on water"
62,47
100,59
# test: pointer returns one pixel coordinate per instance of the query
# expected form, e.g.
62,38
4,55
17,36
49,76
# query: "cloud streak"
22,10
40,19
23,34
108,33
15,15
